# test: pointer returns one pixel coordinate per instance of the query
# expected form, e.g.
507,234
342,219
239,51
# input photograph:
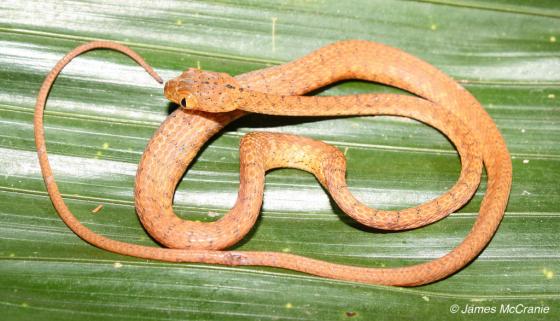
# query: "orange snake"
444,104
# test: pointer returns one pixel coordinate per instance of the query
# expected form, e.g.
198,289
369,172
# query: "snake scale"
211,100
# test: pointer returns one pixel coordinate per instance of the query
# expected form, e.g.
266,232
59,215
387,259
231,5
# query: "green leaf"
104,109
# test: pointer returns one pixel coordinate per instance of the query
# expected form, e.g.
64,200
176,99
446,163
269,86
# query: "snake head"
203,90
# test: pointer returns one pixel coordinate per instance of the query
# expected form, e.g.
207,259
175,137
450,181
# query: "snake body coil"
444,104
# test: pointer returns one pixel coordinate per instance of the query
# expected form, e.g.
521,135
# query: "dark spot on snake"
230,86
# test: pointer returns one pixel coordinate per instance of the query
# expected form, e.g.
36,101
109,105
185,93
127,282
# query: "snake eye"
188,101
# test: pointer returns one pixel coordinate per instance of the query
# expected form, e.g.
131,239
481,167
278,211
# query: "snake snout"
170,90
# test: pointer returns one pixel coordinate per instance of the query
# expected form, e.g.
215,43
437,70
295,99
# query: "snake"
210,101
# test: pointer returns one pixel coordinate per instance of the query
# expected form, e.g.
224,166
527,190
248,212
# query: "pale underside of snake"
442,103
